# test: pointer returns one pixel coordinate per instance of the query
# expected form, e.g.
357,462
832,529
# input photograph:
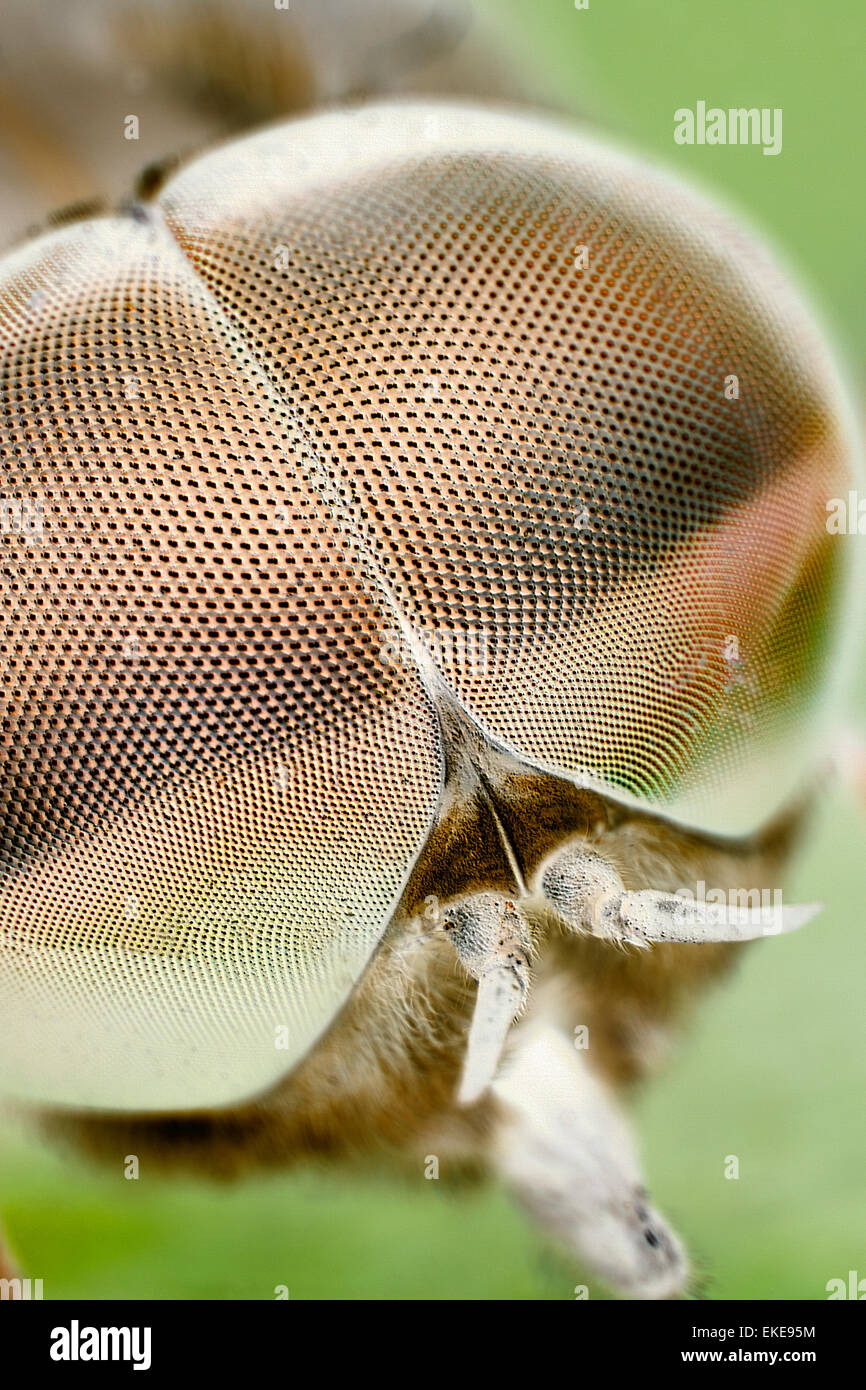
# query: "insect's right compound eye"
214,781
363,404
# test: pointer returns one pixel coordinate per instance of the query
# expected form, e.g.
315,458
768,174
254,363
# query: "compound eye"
216,777
351,410
588,429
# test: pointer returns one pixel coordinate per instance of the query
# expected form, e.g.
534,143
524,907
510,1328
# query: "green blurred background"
774,1068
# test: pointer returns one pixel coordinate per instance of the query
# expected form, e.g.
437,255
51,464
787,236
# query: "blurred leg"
567,1154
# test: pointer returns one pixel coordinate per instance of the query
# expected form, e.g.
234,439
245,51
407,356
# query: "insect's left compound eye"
361,396
587,428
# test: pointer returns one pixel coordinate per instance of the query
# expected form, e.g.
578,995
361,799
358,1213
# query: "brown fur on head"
384,1076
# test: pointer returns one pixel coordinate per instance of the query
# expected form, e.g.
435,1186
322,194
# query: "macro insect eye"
418,609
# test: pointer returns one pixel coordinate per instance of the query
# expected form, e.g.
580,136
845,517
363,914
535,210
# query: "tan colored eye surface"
415,369
213,784
588,427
